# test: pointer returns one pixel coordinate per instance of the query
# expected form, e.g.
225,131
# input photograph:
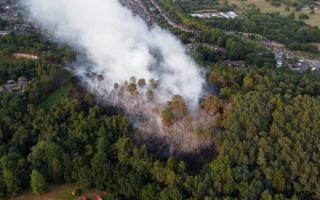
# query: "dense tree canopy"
266,144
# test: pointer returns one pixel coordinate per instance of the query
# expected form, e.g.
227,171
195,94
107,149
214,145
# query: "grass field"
267,7
314,19
56,97
63,192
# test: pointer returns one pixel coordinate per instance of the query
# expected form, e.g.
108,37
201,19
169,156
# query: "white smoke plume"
120,45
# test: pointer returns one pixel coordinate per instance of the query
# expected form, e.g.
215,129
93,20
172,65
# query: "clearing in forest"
61,192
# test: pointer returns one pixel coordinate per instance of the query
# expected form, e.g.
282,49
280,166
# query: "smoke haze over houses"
119,44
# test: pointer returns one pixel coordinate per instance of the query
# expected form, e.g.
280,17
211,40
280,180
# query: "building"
10,86
239,63
227,15
4,33
19,85
22,83
232,14
99,197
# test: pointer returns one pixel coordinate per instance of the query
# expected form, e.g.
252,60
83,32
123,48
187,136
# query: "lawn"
56,97
61,192
262,4
267,7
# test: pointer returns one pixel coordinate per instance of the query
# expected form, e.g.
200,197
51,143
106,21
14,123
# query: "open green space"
56,97
266,7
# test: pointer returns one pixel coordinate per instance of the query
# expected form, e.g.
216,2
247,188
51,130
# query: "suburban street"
150,10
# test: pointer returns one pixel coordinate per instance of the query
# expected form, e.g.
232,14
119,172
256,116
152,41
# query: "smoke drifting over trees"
135,67
120,45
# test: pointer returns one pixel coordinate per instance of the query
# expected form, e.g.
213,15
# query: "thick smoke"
120,45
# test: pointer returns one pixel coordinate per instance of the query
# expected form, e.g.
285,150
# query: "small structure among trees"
12,85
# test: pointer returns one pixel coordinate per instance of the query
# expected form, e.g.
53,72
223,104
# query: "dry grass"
317,44
25,56
61,192
267,7
314,19
262,4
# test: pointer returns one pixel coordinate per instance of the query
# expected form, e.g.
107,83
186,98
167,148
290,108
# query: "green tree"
38,183
150,192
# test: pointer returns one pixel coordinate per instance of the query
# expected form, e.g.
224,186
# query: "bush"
225,93
303,16
77,192
276,3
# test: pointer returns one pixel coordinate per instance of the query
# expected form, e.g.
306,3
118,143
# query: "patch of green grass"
56,97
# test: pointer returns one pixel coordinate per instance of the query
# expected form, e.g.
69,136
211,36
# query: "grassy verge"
61,192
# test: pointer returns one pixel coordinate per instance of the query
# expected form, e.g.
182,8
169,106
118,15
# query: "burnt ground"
160,147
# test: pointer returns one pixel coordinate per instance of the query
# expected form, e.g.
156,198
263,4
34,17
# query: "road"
145,11
170,21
